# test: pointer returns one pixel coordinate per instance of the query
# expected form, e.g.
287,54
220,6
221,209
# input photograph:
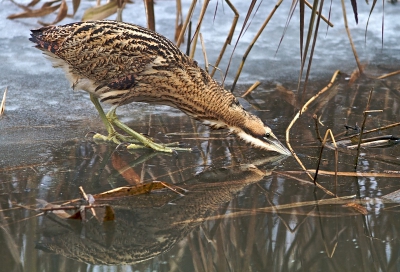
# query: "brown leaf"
26,8
100,12
75,6
62,13
33,3
34,13
49,3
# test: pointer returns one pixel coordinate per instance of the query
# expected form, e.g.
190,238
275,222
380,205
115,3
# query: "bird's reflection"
150,224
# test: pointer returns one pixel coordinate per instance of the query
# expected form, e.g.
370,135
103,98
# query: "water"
234,215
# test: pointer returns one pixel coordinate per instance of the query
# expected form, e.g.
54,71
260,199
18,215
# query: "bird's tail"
50,38
40,38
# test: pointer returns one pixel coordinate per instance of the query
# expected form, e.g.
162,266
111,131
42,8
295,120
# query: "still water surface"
233,215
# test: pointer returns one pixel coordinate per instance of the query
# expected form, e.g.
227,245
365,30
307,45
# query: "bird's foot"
169,148
134,143
134,139
113,137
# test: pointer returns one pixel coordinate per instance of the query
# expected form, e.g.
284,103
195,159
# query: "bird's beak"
276,145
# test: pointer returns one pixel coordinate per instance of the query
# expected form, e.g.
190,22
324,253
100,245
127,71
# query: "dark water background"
233,216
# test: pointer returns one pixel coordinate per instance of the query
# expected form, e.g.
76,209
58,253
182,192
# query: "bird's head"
264,139
252,130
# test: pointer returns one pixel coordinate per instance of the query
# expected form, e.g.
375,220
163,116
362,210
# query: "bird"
119,63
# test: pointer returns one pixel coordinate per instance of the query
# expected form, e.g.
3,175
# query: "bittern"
120,63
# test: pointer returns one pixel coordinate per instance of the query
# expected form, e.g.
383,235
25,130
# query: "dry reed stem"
373,130
228,38
121,6
362,127
296,177
252,88
178,19
362,133
344,174
278,213
149,7
316,121
3,103
360,67
303,109
253,42
189,34
235,214
197,31
328,132
388,75
317,13
185,25
353,99
203,49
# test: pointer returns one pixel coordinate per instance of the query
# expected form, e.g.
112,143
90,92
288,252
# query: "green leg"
111,119
113,136
139,137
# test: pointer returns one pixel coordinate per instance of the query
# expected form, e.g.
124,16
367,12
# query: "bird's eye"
267,134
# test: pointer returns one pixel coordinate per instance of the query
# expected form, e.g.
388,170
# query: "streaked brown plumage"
122,63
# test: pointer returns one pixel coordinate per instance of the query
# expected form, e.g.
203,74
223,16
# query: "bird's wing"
107,53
